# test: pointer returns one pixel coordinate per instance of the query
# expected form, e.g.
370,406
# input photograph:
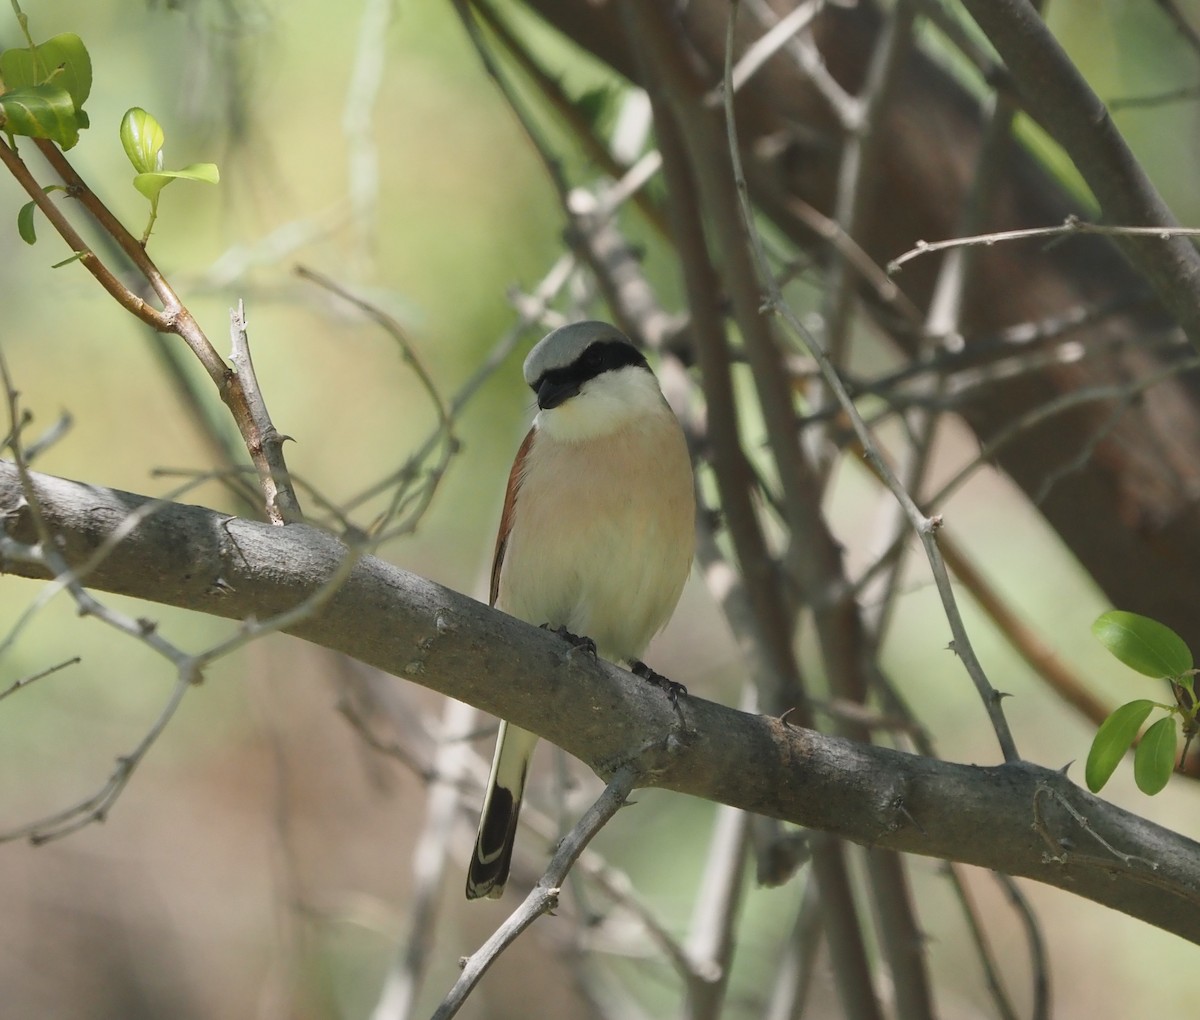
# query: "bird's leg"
674,691
584,643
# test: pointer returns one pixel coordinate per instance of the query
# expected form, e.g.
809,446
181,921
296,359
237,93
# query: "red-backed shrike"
596,536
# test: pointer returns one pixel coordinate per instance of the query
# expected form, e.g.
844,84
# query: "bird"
596,535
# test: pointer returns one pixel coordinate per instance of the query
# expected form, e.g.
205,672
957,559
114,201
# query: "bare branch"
544,896
1071,225
406,625
282,504
1056,94
22,682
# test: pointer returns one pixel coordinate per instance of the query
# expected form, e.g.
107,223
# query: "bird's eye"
593,358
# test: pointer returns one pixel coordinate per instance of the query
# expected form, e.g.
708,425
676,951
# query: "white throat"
604,405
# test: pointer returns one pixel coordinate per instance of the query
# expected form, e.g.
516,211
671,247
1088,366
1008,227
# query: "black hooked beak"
551,392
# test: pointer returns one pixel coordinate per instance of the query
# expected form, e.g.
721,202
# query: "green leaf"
25,218
1155,758
40,111
1143,644
206,173
25,225
62,60
142,139
151,184
1112,740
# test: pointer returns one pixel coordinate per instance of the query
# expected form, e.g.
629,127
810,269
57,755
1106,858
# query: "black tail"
493,846
501,805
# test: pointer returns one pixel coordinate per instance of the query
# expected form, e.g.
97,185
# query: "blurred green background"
259,797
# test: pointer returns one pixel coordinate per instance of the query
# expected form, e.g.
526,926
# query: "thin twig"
983,947
443,435
544,895
282,504
362,95
860,166
1038,958
1071,225
22,682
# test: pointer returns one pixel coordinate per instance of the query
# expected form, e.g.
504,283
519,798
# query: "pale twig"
278,483
62,425
869,272
776,38
205,418
362,95
807,58
22,682
407,973
232,265
713,929
1071,225
794,971
859,168
544,895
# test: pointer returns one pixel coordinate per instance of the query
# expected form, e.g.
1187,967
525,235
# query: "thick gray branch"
1019,819
1053,90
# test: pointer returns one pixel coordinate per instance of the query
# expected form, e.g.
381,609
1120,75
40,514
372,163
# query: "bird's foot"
581,642
674,691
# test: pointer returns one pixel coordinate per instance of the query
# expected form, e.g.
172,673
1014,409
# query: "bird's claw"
581,642
674,691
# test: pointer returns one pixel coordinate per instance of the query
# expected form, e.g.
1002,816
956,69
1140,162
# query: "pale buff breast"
606,547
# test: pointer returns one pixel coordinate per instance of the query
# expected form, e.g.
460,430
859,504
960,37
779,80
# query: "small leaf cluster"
43,88
1154,650
142,138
